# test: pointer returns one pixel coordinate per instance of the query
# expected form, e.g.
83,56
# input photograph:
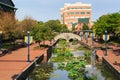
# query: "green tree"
85,27
28,23
109,22
118,31
39,33
47,30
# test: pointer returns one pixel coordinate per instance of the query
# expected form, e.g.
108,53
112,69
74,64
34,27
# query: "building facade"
76,14
7,6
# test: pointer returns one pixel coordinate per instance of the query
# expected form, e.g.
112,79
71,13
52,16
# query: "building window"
87,12
88,8
82,12
72,8
72,12
77,13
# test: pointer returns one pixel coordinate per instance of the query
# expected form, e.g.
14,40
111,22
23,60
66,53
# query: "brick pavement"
113,55
14,63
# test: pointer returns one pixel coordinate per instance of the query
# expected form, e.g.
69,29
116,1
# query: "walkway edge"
29,68
111,67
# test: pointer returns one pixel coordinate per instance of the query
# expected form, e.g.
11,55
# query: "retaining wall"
115,71
29,69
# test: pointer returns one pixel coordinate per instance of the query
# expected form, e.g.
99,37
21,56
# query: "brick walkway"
113,55
112,58
14,63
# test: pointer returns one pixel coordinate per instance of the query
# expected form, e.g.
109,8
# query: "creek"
52,71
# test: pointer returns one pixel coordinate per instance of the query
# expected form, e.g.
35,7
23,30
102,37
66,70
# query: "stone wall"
112,68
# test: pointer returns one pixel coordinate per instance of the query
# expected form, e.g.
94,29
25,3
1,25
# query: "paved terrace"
113,56
114,59
14,63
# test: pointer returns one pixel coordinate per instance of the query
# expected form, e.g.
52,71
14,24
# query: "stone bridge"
67,36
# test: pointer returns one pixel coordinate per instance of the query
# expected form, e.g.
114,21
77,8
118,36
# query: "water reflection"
42,72
79,53
50,71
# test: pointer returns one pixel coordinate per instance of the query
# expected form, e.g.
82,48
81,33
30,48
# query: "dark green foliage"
42,72
47,30
75,68
85,27
109,22
61,65
88,56
73,74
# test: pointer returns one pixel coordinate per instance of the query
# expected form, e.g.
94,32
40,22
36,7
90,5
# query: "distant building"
7,6
76,15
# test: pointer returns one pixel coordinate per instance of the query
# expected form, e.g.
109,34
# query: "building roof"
83,20
77,4
7,3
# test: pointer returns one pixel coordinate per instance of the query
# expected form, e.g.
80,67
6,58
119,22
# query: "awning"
83,20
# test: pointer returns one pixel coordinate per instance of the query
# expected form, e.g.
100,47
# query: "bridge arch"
67,36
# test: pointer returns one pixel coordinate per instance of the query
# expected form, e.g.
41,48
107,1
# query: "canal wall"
102,59
29,69
115,71
85,45
32,65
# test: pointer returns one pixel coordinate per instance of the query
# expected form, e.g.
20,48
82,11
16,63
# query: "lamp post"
105,38
0,39
28,32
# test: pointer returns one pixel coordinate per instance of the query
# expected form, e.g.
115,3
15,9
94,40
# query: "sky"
44,10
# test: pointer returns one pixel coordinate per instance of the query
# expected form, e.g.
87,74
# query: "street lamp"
106,38
0,39
28,32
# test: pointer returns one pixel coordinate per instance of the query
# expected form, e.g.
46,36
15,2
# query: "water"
57,74
54,74
93,57
79,53
50,71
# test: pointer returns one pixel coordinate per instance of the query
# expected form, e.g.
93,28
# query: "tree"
53,27
7,25
85,27
37,33
117,31
47,30
109,22
28,23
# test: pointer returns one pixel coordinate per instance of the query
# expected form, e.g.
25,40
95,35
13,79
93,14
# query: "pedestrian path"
14,63
113,57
